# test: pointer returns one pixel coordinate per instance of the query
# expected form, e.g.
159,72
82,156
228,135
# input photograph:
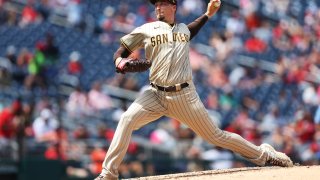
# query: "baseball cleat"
101,177
105,177
276,158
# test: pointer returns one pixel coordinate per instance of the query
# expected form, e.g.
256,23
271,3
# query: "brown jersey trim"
121,52
196,25
124,44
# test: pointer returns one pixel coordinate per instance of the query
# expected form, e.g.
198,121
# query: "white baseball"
217,3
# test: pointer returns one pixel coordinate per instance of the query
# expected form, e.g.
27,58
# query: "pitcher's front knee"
128,121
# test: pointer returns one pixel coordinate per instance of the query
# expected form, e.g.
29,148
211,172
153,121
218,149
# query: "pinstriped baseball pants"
184,106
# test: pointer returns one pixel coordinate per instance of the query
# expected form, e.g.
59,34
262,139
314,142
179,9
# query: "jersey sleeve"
196,25
133,40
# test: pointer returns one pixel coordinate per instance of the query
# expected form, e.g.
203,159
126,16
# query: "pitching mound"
261,173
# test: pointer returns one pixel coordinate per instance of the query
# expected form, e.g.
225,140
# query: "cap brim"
154,2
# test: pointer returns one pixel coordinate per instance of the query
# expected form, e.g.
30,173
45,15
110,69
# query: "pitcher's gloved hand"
124,65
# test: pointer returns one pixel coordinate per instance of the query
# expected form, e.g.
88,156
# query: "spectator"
255,45
28,112
277,138
247,7
245,127
105,25
305,128
252,21
105,21
11,54
45,127
74,64
77,150
137,169
5,71
315,147
78,103
125,82
117,113
3,14
235,24
81,132
269,122
97,157
193,7
60,147
264,32
9,119
309,95
197,60
43,8
97,99
51,54
13,19
20,71
50,50
252,78
218,158
36,69
43,103
74,13
142,15
105,132
226,100
212,101
163,138
217,78
295,74
7,65
70,76
10,122
281,38
220,44
29,15
236,75
54,152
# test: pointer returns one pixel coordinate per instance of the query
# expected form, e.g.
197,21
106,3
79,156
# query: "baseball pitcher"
172,92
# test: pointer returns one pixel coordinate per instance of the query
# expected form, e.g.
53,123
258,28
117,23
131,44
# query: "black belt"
174,88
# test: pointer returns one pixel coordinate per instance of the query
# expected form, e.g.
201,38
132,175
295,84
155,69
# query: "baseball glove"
132,65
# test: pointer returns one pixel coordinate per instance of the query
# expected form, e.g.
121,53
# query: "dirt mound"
261,173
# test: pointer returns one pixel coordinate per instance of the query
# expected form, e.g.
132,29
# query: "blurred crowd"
277,101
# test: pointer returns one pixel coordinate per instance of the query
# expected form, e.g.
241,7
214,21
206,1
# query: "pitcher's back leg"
190,110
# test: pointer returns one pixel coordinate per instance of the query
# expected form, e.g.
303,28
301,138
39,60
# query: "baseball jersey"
167,47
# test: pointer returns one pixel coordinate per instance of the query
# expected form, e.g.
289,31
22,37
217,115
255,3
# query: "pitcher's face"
165,11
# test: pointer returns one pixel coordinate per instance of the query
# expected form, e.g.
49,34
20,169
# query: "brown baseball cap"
174,2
